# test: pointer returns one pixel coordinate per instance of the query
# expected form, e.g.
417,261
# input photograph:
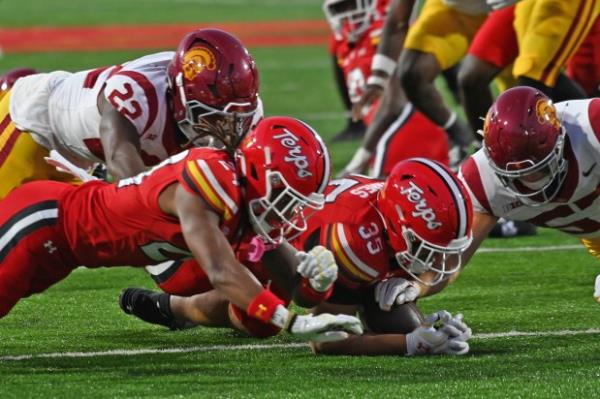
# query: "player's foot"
512,228
152,307
352,131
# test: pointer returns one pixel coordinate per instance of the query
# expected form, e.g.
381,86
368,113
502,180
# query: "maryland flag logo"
196,60
546,113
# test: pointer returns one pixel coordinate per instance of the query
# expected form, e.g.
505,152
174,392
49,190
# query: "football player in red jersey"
405,134
129,116
539,163
201,203
391,241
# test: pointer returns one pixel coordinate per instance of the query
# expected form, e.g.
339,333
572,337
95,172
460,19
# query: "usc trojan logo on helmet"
196,60
546,112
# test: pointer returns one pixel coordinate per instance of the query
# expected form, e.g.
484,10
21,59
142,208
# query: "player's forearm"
124,161
365,345
395,28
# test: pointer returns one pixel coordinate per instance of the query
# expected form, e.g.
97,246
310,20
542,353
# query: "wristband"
383,63
378,81
308,292
263,306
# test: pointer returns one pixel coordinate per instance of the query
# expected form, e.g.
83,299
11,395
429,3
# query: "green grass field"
530,311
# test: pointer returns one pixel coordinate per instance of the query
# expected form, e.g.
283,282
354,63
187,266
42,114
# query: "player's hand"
498,4
395,291
319,267
325,327
370,94
442,334
62,164
597,289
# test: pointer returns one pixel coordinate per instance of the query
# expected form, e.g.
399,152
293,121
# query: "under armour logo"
49,245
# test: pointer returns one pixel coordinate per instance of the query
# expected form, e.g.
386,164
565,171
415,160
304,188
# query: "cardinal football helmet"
428,215
10,77
285,167
349,19
214,86
523,141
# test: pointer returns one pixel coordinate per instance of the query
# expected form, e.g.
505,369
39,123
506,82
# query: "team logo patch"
196,60
546,113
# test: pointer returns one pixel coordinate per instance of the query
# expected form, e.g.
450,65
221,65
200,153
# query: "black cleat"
152,307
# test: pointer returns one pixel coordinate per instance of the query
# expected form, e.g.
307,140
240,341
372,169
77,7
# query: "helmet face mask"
280,212
349,19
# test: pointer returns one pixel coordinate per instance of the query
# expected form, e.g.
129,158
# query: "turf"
544,291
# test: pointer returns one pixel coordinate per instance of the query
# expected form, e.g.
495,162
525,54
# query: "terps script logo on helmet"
290,141
414,194
196,60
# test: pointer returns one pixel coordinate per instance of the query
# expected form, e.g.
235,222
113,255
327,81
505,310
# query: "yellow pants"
21,158
592,245
549,32
443,32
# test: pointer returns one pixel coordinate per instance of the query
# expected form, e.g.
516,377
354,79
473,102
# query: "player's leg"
412,134
438,40
21,158
493,49
34,253
584,66
549,32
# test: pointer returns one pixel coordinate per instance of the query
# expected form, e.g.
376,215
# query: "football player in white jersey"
129,116
539,163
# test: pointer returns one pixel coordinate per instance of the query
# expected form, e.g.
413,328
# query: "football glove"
62,164
319,267
324,327
442,334
597,289
397,291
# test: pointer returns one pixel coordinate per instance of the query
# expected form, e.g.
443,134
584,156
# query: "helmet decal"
414,194
294,154
546,112
196,60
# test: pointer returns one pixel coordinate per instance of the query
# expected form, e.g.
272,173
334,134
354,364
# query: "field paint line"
154,351
532,249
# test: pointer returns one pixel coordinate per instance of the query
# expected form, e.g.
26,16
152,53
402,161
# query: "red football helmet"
523,140
286,167
214,85
350,19
428,215
9,78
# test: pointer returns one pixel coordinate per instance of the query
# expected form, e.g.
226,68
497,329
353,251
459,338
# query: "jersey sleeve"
470,176
134,96
359,260
215,181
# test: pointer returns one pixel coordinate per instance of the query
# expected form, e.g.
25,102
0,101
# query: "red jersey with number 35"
350,226
122,224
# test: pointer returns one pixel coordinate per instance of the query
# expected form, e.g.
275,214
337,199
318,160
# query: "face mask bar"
357,18
274,219
202,120
422,256
536,193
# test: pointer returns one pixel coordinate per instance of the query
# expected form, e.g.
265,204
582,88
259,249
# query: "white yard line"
533,249
252,347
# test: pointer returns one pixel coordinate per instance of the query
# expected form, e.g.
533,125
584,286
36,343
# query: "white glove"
358,163
62,164
325,327
597,289
395,290
319,267
498,4
449,337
